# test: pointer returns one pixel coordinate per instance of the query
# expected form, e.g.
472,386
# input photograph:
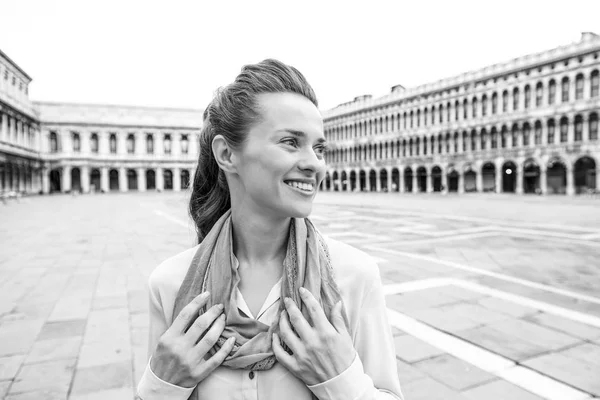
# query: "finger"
280,354
189,313
217,359
211,336
287,334
297,320
203,322
337,318
316,313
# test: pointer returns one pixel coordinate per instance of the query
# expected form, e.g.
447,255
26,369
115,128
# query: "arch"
132,179
76,180
95,180
556,176
113,177
362,178
488,177
395,180
453,179
344,183
167,179
326,182
509,177
531,176
470,180
585,174
383,180
436,178
408,179
372,180
421,179
352,180
55,181
185,179
150,179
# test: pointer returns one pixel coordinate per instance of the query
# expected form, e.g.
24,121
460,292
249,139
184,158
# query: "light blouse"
371,376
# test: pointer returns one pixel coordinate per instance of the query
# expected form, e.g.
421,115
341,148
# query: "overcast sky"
176,53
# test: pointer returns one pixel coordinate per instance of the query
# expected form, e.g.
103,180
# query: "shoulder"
351,265
167,277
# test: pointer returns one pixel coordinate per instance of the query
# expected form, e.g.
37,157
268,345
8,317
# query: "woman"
265,307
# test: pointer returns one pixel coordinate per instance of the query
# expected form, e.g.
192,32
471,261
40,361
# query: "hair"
231,113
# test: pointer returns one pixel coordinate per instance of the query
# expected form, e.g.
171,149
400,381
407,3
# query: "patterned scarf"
306,264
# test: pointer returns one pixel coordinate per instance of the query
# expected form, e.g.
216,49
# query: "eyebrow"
300,134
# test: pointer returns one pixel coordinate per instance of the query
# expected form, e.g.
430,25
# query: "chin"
300,211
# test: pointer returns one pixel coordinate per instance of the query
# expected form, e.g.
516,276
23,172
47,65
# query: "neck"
259,240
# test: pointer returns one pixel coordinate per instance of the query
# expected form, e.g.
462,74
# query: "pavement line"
591,236
503,277
424,284
171,218
465,236
500,366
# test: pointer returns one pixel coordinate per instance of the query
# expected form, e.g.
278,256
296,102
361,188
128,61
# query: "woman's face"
281,164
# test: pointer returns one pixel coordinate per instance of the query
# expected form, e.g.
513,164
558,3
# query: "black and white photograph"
316,200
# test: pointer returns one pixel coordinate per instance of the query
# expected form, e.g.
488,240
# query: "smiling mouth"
306,188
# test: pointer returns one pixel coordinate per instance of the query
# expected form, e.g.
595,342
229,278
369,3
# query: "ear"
223,153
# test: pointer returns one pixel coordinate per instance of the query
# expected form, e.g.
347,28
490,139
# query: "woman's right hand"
179,355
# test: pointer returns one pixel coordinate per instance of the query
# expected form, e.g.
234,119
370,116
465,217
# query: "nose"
310,161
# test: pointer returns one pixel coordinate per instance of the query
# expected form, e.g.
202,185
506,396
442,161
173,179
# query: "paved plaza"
489,296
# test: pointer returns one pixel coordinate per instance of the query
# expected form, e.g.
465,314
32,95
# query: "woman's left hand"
321,351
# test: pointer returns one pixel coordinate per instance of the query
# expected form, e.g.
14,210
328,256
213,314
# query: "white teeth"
302,186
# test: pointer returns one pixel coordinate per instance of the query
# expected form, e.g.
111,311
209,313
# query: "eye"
321,149
291,141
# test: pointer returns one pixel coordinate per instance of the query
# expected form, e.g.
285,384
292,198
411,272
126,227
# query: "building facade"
60,148
529,125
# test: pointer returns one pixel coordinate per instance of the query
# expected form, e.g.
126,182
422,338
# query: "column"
193,138
586,128
66,179
18,129
377,180
414,179
176,179
175,146
401,179
121,145
570,180
104,179
85,177
429,187
479,179
141,176
389,180
597,177
543,178
160,184
46,180
4,131
367,181
571,130
123,179
499,177
444,180
67,145
158,147
519,177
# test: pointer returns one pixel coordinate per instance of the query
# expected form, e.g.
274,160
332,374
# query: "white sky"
176,53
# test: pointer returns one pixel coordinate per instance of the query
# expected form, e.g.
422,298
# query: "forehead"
289,111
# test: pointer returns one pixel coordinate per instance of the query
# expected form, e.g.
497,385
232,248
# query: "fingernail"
287,301
220,306
303,291
204,295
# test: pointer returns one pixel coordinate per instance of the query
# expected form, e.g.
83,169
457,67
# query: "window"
149,144
465,108
167,144
184,144
484,105
564,129
504,101
418,118
595,83
433,115
539,92
53,142
515,136
456,111
94,143
538,133
494,139
113,143
526,134
515,99
130,143
551,91
565,90
593,126
503,134
441,113
551,130
474,107
448,112
527,95
473,140
465,141
76,142
494,103
579,87
578,128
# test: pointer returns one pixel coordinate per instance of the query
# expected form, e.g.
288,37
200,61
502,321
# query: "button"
251,374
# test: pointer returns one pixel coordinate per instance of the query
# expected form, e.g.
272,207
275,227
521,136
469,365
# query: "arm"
373,373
